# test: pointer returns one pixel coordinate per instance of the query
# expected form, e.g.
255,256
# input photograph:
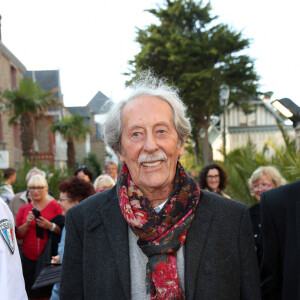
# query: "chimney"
0,28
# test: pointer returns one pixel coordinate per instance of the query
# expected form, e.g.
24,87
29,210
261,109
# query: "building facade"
94,142
259,126
11,72
50,148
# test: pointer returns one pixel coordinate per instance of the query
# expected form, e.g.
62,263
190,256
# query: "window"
243,118
252,119
13,77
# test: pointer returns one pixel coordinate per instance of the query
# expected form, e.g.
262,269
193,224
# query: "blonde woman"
33,222
262,179
103,182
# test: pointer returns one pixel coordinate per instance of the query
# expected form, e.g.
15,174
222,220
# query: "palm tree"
25,103
72,129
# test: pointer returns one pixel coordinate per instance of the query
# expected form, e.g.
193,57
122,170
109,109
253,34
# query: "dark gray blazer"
220,261
280,269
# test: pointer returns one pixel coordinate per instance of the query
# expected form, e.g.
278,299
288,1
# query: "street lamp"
290,110
223,97
202,137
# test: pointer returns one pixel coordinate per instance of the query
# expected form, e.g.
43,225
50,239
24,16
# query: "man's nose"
150,143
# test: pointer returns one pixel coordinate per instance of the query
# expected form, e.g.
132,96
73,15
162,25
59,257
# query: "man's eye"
161,131
136,134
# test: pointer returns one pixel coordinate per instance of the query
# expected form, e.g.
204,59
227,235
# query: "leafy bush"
93,164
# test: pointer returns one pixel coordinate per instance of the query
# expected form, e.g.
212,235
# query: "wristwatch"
53,227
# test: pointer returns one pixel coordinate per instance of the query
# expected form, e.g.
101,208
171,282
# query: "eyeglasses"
210,177
64,199
38,188
263,186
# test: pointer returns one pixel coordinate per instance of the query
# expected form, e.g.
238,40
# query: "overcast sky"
91,41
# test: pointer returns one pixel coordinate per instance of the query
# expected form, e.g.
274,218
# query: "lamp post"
202,136
290,110
223,97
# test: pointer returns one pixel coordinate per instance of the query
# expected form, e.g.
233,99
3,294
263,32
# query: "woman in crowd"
84,173
214,179
72,191
33,222
262,179
103,182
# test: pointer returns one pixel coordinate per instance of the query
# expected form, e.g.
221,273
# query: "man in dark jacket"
155,235
280,270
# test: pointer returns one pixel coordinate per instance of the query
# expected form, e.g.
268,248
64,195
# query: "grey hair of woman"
37,180
271,172
147,85
35,170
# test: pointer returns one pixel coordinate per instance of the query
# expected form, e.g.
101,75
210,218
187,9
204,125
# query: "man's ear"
181,147
121,157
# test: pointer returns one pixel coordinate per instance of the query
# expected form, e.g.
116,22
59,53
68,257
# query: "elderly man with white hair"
155,235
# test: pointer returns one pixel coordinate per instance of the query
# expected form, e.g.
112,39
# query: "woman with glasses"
262,179
33,223
213,178
72,191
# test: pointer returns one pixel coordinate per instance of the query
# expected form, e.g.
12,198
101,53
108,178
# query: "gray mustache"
152,157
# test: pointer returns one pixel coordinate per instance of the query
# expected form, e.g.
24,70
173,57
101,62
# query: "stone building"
11,71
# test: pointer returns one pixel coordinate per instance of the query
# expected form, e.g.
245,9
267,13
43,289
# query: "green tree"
92,162
197,55
72,129
24,104
241,163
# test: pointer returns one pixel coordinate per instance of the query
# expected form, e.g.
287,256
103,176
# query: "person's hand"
30,218
44,223
55,259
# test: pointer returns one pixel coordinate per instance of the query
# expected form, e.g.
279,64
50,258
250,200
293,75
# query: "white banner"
4,159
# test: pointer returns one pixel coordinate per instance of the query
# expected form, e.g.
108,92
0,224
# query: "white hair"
147,85
34,171
37,180
103,181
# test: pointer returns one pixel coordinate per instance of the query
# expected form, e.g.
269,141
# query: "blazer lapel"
117,232
195,242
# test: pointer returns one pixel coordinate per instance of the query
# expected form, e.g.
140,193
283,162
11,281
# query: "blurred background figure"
103,182
9,176
72,191
22,198
32,227
111,169
84,173
213,178
262,179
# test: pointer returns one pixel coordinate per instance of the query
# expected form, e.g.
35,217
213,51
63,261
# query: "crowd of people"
37,223
150,230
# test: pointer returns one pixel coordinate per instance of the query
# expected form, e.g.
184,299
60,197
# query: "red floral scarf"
160,235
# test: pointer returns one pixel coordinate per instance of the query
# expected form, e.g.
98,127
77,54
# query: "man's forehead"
138,110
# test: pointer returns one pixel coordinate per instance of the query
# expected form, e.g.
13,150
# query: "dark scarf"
160,235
